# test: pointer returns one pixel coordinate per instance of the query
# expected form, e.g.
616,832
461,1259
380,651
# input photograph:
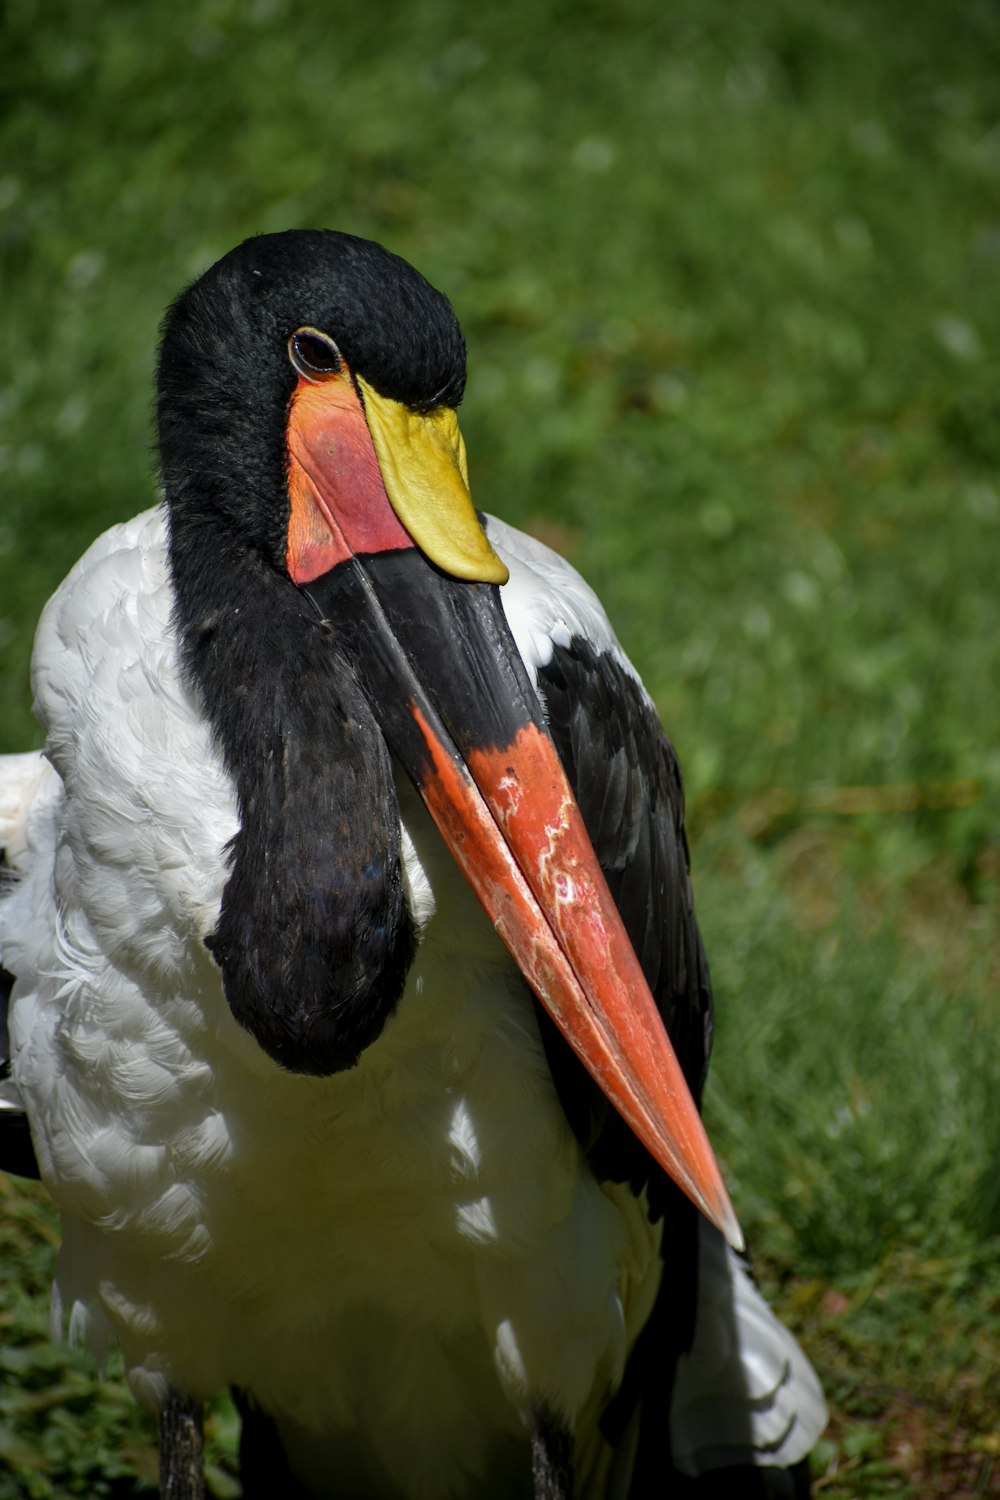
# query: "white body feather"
392,1259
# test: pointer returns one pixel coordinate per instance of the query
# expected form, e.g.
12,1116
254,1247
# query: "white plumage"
391,1258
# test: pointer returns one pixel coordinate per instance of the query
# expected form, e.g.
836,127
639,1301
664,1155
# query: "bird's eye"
314,354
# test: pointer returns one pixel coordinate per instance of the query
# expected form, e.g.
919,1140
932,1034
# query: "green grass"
730,278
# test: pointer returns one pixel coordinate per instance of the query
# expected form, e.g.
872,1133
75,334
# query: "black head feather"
314,939
225,380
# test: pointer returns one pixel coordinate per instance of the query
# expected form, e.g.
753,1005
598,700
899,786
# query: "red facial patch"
338,501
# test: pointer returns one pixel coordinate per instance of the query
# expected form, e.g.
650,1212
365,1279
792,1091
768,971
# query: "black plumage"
17,1154
627,781
314,940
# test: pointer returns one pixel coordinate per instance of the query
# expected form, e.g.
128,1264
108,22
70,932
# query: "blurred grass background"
730,278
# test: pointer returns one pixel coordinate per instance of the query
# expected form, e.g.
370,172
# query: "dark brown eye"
314,354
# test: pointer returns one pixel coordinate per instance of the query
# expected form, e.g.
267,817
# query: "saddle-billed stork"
350,918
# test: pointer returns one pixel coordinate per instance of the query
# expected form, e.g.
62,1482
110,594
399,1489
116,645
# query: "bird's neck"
314,938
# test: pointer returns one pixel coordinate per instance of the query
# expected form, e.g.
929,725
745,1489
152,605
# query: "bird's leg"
182,1468
551,1457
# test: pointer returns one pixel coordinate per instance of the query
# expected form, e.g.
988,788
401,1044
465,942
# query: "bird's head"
323,369
339,609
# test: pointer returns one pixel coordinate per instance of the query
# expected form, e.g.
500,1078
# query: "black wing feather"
626,778
17,1154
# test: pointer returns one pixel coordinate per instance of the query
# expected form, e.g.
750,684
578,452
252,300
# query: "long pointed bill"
442,673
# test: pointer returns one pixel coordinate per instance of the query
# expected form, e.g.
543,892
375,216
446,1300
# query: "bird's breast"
420,1233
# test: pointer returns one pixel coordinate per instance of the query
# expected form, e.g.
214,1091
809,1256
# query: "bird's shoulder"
110,612
146,807
547,602
116,839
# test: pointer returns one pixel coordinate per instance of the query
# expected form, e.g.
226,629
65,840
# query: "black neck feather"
314,938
